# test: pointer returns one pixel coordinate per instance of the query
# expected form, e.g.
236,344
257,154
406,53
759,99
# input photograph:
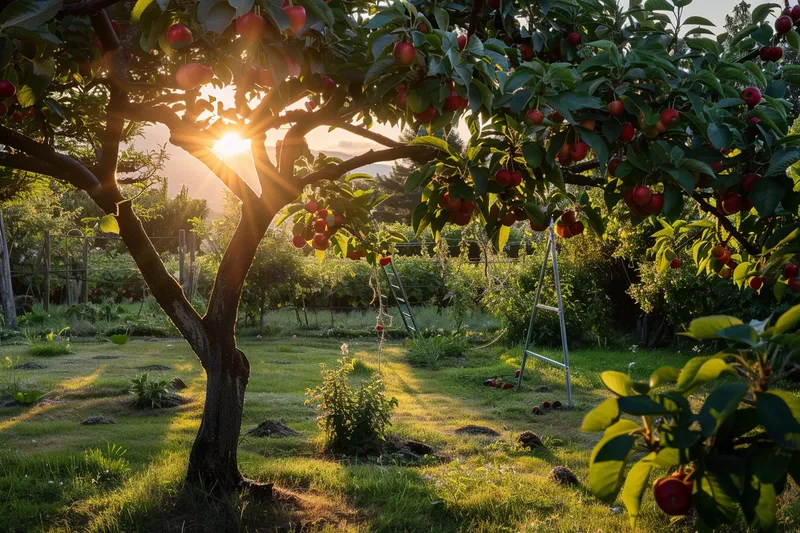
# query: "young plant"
737,450
351,417
149,394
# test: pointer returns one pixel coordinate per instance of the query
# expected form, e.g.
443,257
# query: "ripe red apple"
612,166
628,132
753,121
401,100
775,53
320,242
546,404
726,258
179,36
379,328
795,13
516,180
756,283
338,221
468,206
716,166
462,42
298,241
717,252
192,75
751,96
790,271
17,117
320,225
509,219
517,373
508,385
670,117
783,24
578,151
448,204
327,87
588,123
292,66
454,101
765,53
574,38
7,89
675,263
297,18
385,261
731,203
641,195
503,177
576,228
616,108
251,27
655,204
794,285
312,206
563,231
462,218
427,115
673,496
404,53
423,28
568,217
322,213
534,117
564,152
526,51
749,180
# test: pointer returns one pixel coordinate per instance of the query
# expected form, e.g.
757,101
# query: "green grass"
51,480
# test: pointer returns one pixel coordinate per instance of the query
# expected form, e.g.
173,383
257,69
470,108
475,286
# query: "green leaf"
120,339
780,415
699,370
720,135
29,397
602,416
719,405
109,224
378,69
793,39
502,237
533,154
635,484
433,142
665,374
713,502
608,460
708,326
214,15
597,144
28,14
761,12
698,20
616,382
767,194
759,503
641,406
787,320
740,333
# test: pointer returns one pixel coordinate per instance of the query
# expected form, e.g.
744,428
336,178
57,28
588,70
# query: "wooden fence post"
85,295
46,295
192,273
6,290
182,259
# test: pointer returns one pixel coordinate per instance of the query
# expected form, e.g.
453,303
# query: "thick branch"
751,248
226,174
106,170
30,164
373,156
474,17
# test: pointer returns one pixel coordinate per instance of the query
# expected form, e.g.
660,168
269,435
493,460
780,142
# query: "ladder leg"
548,246
563,327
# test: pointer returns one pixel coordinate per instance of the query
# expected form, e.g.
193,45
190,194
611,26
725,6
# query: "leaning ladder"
550,250
399,294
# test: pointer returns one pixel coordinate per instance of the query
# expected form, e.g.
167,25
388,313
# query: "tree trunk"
213,462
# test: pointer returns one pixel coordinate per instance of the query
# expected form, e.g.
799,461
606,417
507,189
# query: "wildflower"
345,349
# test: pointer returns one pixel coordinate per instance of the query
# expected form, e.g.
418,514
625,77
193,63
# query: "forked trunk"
213,464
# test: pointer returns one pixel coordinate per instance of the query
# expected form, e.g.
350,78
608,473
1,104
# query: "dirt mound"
563,475
273,428
397,450
30,365
172,400
153,368
529,439
481,431
178,384
105,357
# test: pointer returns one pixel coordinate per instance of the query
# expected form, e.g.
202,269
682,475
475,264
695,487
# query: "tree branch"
31,164
474,16
226,174
86,7
106,170
751,248
373,156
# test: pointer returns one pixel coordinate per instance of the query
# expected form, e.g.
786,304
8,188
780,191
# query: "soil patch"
98,420
30,365
481,431
105,357
153,368
172,400
273,428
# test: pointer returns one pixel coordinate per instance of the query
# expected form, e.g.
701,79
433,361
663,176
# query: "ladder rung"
405,314
396,287
545,359
399,299
548,308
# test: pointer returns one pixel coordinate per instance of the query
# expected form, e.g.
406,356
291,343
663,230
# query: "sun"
231,144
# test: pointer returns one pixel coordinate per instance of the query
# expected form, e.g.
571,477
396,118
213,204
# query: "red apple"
461,218
628,132
320,242
716,166
448,204
795,13
404,53
534,117
192,75
508,219
385,261
454,101
655,204
320,225
675,263
790,271
423,28
616,108
783,24
526,51
756,283
298,241
264,77
731,204
312,206
670,117
467,206
251,27
17,117
578,151
327,87
297,18
612,166
641,195
794,285
503,177
516,179
379,328
7,89
751,96
462,42
179,36
749,180
427,115
574,38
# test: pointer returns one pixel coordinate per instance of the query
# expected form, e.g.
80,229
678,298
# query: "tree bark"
213,461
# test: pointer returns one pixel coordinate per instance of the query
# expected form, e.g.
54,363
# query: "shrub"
149,394
428,351
351,418
109,466
50,346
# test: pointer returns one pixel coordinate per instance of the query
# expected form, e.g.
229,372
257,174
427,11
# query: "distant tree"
399,207
739,19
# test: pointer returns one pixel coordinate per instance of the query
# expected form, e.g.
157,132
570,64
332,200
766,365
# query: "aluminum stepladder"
549,250
399,294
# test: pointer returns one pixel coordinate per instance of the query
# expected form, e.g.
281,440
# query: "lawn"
58,475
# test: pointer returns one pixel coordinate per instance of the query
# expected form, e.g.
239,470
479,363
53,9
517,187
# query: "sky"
182,169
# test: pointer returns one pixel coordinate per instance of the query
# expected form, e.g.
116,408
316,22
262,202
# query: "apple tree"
642,102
